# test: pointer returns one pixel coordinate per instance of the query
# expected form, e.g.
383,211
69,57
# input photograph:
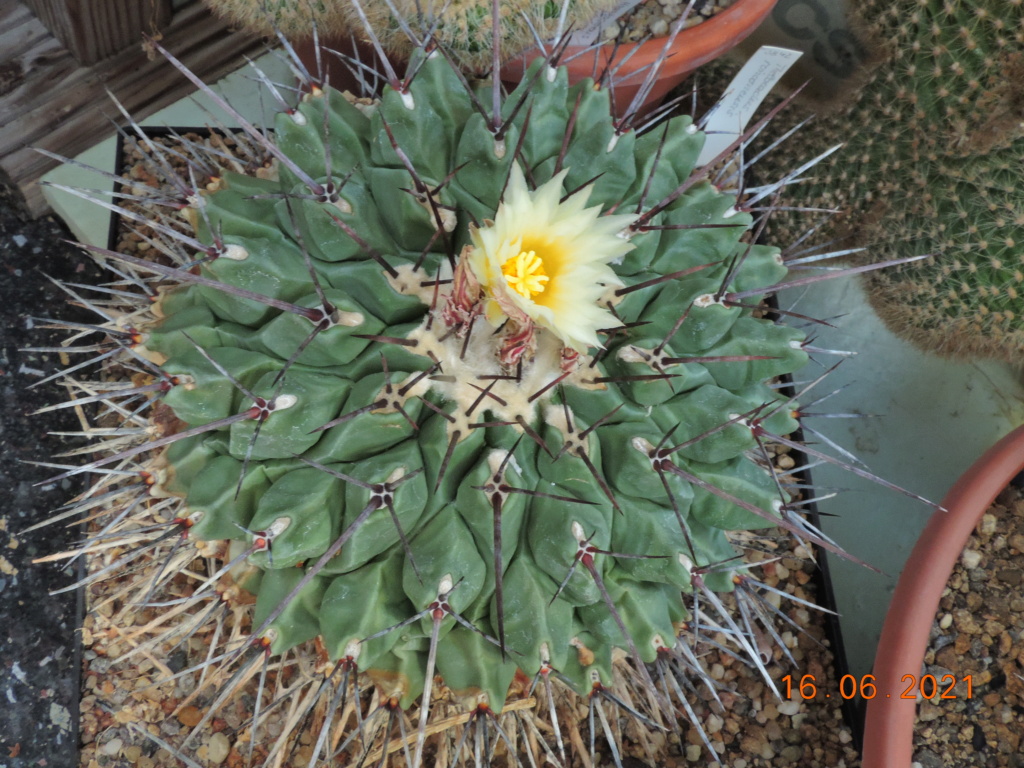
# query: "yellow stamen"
525,274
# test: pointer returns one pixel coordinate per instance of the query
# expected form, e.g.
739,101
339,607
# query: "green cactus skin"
425,437
933,150
463,27
418,491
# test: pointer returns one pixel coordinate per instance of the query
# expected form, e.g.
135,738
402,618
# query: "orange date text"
865,687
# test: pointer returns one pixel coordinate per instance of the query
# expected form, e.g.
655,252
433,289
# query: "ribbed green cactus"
931,164
419,444
463,27
475,393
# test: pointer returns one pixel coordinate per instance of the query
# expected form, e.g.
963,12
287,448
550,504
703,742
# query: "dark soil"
39,664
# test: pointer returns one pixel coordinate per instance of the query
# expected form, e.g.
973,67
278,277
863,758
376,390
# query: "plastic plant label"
729,117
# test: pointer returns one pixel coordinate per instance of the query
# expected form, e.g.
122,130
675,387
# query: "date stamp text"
865,687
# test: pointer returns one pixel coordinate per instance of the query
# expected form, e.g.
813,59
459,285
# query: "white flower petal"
574,244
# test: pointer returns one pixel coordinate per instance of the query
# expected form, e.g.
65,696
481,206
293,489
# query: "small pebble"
789,707
1011,576
791,753
190,716
970,558
112,747
217,748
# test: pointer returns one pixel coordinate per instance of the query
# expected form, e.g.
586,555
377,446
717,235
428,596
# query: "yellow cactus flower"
547,260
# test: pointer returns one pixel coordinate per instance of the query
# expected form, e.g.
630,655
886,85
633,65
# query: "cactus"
463,27
461,392
933,146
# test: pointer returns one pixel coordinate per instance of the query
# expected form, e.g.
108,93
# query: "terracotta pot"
692,47
889,727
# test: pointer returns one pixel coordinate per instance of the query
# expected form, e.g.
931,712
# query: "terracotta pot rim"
889,725
693,47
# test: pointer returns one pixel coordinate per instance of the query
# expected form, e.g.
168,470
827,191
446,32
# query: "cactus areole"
938,113
471,395
497,380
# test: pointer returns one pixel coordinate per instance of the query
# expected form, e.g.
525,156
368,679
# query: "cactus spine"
463,27
428,438
458,391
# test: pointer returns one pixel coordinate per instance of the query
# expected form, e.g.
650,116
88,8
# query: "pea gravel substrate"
756,730
979,631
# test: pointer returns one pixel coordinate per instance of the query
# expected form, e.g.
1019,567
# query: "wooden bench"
58,58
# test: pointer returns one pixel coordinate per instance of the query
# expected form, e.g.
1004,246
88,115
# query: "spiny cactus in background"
463,386
931,164
291,17
463,27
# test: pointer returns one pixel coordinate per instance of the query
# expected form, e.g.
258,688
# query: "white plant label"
729,117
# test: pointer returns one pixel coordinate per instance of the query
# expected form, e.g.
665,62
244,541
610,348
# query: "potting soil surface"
39,666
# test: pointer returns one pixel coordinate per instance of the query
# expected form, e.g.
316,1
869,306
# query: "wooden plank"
19,31
53,103
92,30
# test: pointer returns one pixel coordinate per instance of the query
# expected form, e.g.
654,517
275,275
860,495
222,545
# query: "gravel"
654,18
979,631
756,729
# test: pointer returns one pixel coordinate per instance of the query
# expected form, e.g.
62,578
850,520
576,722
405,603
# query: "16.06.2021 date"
865,687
